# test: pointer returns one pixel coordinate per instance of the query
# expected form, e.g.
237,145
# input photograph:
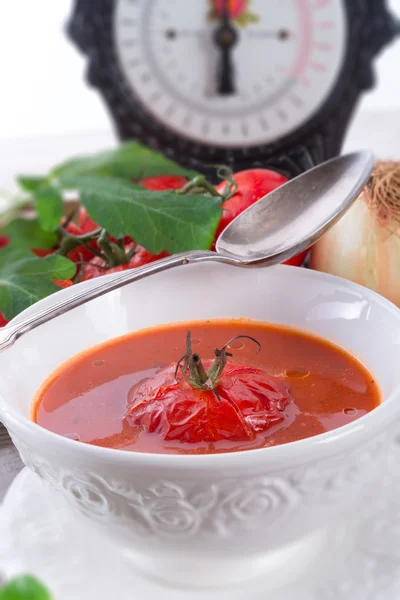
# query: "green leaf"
157,220
131,160
29,234
49,206
25,278
24,587
30,183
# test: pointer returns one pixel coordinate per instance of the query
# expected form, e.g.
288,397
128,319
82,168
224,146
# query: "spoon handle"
103,285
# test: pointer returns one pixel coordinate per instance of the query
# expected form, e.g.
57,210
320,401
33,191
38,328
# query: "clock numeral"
155,96
296,100
244,129
326,24
134,62
187,120
317,67
127,22
322,3
281,114
226,129
145,77
128,43
170,110
324,46
264,123
305,81
205,127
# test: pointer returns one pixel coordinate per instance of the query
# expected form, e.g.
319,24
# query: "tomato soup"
181,388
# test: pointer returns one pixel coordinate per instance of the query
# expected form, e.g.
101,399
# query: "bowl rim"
323,443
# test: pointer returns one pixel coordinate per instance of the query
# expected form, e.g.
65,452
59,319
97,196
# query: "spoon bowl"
293,217
275,228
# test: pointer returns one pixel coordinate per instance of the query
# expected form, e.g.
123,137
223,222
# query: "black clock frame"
370,28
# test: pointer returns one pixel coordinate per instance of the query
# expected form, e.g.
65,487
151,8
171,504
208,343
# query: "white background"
43,93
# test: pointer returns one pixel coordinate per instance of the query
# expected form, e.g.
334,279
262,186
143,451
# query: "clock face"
238,82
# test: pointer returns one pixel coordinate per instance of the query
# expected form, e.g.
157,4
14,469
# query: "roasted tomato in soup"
205,387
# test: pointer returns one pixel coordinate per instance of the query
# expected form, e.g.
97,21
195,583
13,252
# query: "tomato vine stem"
193,370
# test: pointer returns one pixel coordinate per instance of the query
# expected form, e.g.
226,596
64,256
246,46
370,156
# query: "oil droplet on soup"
236,345
99,363
297,373
72,436
297,385
350,411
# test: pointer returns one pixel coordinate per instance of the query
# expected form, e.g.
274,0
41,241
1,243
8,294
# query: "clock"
239,82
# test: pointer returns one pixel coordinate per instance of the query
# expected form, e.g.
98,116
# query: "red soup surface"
271,385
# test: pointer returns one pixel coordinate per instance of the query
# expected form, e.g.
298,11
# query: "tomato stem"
231,187
199,184
69,218
113,255
131,252
193,370
68,241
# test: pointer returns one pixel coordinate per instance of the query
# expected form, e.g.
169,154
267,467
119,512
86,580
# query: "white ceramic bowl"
213,518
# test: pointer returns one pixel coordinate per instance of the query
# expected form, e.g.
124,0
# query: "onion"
364,246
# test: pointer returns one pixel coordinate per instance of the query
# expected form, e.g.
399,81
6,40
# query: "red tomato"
4,240
95,267
63,283
2,320
41,252
85,222
297,260
163,182
253,184
251,402
80,253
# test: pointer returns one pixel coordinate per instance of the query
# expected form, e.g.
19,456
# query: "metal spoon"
283,223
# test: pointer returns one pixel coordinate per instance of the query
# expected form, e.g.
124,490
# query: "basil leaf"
25,278
156,220
29,234
30,183
131,160
24,587
49,206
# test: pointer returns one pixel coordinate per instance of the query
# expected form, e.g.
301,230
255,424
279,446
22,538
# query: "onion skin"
364,249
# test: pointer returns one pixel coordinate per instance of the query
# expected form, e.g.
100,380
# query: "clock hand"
282,34
225,74
226,37
174,34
